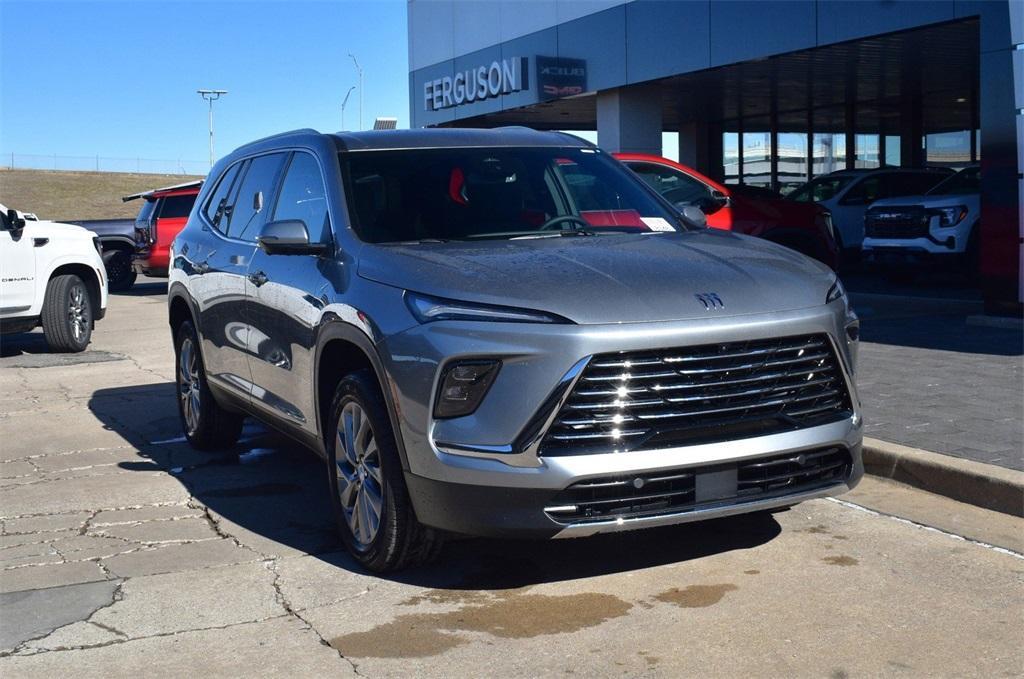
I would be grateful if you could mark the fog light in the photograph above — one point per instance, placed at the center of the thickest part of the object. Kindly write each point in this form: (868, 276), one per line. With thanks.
(463, 387)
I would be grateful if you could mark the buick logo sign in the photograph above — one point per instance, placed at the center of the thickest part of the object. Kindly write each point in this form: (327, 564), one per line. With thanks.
(710, 300)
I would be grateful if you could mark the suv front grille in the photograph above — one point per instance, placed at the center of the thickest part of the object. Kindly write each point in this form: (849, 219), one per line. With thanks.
(896, 222)
(669, 492)
(700, 394)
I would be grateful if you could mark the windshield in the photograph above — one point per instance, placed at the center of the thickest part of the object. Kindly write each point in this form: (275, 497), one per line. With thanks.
(967, 180)
(477, 193)
(822, 188)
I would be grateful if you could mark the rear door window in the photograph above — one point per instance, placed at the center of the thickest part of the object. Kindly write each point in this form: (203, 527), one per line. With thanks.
(218, 205)
(247, 216)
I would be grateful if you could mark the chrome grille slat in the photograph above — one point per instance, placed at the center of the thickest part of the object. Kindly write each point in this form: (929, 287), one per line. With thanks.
(633, 400)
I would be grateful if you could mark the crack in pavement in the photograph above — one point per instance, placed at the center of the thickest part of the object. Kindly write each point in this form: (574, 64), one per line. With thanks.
(280, 597)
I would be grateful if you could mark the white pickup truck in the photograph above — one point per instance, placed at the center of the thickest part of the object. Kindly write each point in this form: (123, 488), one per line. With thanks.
(940, 227)
(51, 274)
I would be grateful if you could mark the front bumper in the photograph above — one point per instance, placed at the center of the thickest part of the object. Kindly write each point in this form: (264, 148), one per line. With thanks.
(480, 475)
(513, 512)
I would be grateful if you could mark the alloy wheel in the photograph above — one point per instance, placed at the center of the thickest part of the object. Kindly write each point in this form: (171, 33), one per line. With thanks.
(359, 476)
(78, 312)
(188, 385)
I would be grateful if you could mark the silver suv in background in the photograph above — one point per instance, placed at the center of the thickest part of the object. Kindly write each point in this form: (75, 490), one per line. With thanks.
(506, 333)
(938, 227)
(848, 193)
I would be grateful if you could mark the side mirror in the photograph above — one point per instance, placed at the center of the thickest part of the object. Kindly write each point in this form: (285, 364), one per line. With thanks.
(694, 215)
(288, 237)
(15, 222)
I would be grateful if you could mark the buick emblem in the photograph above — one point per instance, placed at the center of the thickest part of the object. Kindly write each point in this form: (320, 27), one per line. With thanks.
(710, 300)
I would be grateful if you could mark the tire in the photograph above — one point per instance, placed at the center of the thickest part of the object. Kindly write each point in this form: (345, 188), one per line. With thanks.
(67, 314)
(369, 473)
(206, 424)
(120, 276)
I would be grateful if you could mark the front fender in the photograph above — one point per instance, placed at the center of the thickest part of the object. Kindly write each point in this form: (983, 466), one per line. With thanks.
(334, 328)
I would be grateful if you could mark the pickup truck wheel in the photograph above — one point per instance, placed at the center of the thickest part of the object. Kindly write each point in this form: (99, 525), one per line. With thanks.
(67, 314)
(207, 426)
(120, 276)
(371, 504)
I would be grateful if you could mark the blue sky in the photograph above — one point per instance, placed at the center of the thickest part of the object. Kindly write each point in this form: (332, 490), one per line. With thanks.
(120, 78)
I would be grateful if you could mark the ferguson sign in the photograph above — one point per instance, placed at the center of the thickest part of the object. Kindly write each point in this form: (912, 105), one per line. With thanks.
(476, 84)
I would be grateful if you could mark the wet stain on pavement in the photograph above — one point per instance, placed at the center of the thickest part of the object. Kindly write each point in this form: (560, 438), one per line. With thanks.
(696, 596)
(512, 616)
(841, 560)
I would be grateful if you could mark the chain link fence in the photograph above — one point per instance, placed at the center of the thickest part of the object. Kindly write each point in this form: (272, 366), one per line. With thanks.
(29, 161)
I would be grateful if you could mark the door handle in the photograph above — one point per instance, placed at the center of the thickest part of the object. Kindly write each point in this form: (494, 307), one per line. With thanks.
(257, 278)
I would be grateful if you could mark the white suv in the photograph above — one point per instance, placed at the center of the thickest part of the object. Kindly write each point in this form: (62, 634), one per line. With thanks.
(940, 226)
(51, 274)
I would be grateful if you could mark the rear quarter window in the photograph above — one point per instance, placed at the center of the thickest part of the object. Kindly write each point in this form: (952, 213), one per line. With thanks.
(146, 210)
(176, 206)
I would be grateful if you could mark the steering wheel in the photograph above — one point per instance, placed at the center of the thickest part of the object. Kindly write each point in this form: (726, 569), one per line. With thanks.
(555, 221)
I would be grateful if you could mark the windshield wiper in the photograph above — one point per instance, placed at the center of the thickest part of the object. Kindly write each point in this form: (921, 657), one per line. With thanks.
(513, 235)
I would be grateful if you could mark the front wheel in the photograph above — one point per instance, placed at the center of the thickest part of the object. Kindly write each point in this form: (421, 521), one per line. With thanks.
(206, 424)
(371, 504)
(67, 314)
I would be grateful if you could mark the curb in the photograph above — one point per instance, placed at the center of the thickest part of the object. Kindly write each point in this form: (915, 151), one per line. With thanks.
(982, 485)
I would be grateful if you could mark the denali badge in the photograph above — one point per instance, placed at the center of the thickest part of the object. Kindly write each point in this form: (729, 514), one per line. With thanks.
(710, 300)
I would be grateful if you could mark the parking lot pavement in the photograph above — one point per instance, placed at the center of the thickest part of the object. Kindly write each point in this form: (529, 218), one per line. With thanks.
(126, 553)
(931, 379)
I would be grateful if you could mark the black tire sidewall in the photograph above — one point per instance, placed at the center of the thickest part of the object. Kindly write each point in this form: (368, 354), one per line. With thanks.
(361, 388)
(55, 320)
(217, 428)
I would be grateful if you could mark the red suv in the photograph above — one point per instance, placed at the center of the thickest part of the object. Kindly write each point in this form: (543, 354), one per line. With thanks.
(163, 214)
(807, 229)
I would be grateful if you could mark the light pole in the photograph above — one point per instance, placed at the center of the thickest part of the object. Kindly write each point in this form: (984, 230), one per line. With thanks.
(360, 71)
(211, 96)
(343, 102)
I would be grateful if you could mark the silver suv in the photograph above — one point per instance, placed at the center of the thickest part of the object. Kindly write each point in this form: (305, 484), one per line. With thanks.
(505, 333)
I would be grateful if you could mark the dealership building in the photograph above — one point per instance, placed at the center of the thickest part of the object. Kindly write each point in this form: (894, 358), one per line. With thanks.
(769, 93)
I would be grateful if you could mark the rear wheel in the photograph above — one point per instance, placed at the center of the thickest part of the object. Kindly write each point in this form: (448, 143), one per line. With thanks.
(67, 314)
(120, 276)
(206, 424)
(371, 504)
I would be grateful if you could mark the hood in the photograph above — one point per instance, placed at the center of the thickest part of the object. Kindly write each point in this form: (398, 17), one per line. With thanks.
(59, 229)
(929, 201)
(608, 279)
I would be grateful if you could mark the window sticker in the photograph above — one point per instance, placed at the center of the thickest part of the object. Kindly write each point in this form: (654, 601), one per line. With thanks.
(657, 224)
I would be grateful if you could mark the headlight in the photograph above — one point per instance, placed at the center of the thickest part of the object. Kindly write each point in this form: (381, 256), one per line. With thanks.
(837, 291)
(427, 309)
(950, 216)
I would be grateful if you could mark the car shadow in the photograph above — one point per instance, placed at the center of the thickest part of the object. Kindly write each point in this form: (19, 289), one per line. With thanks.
(268, 488)
(145, 286)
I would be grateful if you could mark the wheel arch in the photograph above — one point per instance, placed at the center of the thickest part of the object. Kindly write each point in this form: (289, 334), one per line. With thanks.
(88, 276)
(341, 350)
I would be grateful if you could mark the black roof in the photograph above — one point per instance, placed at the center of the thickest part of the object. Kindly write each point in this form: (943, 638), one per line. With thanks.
(377, 140)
